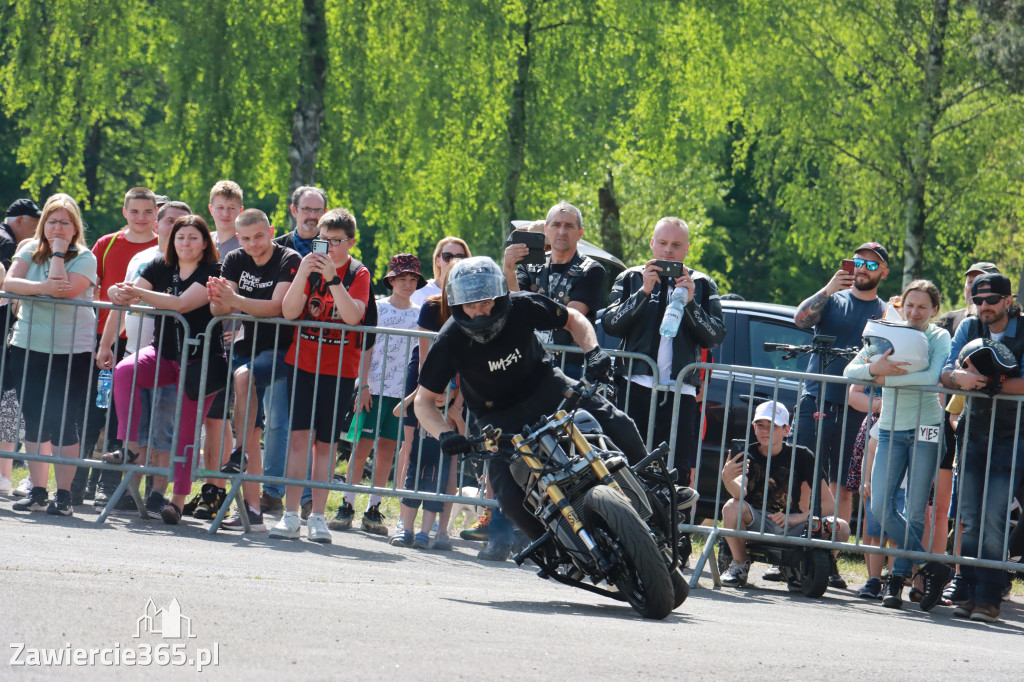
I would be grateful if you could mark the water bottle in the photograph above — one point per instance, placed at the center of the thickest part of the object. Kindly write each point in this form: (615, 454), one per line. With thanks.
(674, 312)
(103, 385)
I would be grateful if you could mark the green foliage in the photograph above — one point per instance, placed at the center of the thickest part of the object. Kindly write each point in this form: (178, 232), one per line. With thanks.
(784, 132)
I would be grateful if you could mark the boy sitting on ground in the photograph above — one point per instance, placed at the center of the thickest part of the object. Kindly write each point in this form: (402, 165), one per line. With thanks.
(763, 473)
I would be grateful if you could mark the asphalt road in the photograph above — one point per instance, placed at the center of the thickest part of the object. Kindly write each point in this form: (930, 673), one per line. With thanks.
(360, 609)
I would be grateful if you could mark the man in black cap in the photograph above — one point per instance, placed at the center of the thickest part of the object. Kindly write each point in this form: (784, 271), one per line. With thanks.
(840, 309)
(951, 320)
(20, 223)
(989, 469)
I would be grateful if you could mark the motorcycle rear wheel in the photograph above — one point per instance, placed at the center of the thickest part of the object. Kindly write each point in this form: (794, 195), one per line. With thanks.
(644, 579)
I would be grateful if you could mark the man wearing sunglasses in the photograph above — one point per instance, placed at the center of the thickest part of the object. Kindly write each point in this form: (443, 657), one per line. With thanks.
(840, 309)
(566, 276)
(992, 464)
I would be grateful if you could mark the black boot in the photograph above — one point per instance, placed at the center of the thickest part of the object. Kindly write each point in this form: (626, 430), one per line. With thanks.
(78, 485)
(893, 598)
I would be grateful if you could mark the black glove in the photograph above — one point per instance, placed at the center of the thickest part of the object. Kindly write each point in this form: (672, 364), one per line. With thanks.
(453, 443)
(599, 366)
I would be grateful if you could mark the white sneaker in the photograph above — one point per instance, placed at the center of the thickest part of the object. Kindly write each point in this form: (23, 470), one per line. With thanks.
(316, 529)
(288, 528)
(24, 488)
(5, 486)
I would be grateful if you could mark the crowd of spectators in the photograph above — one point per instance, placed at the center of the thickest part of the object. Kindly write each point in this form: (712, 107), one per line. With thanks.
(276, 387)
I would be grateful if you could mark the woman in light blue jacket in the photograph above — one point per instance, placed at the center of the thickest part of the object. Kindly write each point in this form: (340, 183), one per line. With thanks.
(910, 431)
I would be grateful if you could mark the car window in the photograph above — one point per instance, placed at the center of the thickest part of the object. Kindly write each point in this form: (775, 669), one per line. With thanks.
(762, 330)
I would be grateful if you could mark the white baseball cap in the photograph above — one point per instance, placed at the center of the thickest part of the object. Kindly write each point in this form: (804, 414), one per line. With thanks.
(772, 411)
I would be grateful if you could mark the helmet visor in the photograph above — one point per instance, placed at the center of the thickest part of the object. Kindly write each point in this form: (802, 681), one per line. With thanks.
(480, 285)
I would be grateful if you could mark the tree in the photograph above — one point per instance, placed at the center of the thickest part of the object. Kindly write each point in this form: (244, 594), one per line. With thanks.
(887, 124)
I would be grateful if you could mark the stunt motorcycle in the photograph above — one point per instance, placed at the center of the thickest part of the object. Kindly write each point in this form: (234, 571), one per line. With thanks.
(610, 528)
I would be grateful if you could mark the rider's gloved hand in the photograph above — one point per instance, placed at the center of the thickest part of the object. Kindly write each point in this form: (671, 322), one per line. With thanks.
(453, 443)
(599, 366)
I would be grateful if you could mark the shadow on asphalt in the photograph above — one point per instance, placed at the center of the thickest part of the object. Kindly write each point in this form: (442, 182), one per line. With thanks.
(609, 609)
(1011, 615)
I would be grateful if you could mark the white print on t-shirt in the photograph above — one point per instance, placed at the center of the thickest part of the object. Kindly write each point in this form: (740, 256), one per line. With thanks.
(250, 282)
(503, 363)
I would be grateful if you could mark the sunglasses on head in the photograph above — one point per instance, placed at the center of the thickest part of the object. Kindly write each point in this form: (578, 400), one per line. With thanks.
(869, 264)
(990, 299)
(448, 257)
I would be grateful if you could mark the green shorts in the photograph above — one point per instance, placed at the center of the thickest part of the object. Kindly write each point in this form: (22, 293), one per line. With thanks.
(364, 425)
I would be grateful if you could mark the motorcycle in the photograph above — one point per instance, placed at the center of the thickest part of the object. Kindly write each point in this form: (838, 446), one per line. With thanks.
(604, 520)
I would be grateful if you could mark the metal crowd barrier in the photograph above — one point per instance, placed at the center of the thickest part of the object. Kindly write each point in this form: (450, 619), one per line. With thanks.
(36, 309)
(726, 386)
(287, 372)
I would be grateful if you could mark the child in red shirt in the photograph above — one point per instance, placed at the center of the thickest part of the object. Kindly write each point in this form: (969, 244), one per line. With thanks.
(325, 362)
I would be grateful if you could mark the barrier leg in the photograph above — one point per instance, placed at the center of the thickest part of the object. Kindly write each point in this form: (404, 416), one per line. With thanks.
(709, 547)
(234, 493)
(127, 484)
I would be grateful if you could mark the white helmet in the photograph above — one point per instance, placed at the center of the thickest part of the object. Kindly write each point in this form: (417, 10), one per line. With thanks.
(908, 345)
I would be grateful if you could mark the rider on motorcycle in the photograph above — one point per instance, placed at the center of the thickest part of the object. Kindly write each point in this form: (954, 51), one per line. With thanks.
(506, 377)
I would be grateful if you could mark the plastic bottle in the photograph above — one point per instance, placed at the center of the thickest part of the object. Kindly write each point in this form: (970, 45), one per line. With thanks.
(104, 383)
(674, 312)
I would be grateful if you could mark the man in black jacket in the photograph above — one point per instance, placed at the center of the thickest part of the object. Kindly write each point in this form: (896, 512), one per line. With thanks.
(635, 310)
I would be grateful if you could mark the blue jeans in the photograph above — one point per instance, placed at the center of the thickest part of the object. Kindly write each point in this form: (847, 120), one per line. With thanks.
(985, 496)
(899, 453)
(266, 367)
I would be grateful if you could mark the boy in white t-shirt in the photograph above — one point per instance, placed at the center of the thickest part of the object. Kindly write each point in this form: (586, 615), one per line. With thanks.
(384, 370)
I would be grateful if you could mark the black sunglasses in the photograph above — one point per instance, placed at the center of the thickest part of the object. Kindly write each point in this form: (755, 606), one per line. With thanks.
(448, 257)
(991, 299)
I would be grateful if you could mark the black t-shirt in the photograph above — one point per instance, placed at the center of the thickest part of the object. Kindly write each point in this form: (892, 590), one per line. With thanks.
(587, 289)
(781, 497)
(501, 373)
(169, 338)
(259, 282)
(430, 315)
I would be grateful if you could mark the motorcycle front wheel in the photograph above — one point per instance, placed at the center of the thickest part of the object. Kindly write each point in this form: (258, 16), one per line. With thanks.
(643, 577)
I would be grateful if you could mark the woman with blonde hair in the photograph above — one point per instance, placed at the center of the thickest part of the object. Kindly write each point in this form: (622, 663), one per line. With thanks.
(51, 344)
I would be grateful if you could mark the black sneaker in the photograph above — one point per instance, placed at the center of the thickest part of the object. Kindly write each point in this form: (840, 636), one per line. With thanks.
(773, 574)
(61, 504)
(36, 501)
(893, 598)
(835, 581)
(934, 575)
(211, 498)
(102, 497)
(343, 517)
(956, 592)
(190, 507)
(373, 521)
(236, 462)
(256, 524)
(155, 502)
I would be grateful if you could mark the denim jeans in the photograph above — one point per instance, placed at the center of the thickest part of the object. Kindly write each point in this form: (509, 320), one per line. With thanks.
(984, 509)
(899, 453)
(266, 367)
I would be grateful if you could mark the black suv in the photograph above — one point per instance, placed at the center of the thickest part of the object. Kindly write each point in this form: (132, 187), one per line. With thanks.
(749, 326)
